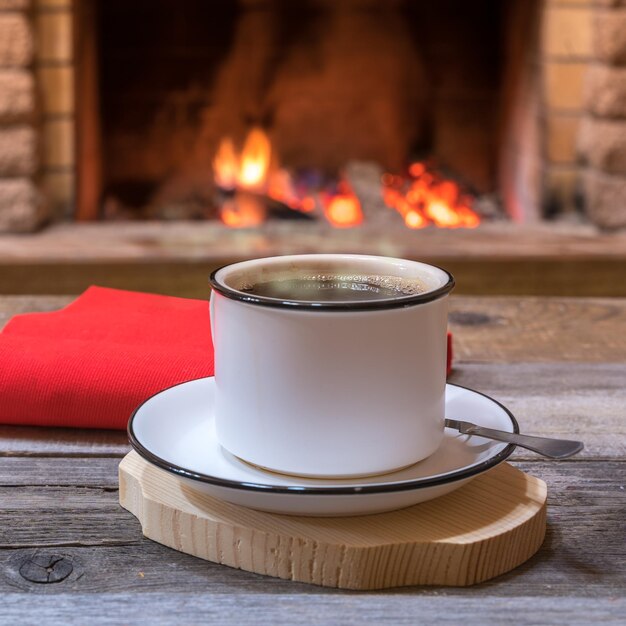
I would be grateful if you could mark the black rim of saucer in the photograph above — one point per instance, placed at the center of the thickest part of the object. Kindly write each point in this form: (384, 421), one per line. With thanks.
(301, 305)
(420, 483)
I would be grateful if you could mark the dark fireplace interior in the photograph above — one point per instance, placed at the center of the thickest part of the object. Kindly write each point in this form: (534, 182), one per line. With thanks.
(330, 83)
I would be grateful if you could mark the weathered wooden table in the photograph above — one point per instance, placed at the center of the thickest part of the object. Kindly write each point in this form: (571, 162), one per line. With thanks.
(69, 553)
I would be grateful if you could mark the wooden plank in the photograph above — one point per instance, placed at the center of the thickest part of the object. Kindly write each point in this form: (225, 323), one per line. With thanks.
(101, 472)
(550, 399)
(14, 305)
(578, 576)
(39, 517)
(496, 329)
(278, 609)
(490, 329)
(151, 567)
(25, 471)
(64, 442)
(569, 400)
(583, 554)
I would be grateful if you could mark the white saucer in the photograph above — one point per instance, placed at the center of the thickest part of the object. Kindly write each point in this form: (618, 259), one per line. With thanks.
(175, 431)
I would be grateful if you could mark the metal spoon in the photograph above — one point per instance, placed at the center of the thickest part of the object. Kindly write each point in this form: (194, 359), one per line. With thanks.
(552, 448)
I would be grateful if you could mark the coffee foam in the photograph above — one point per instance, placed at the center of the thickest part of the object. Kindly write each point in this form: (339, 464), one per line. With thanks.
(403, 286)
(400, 286)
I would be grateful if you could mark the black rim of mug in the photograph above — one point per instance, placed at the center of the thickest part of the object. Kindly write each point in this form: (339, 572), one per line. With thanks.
(299, 305)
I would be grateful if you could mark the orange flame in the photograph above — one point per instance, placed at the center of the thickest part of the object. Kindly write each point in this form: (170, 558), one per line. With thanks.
(247, 170)
(422, 198)
(425, 199)
(226, 165)
(242, 211)
(413, 218)
(255, 160)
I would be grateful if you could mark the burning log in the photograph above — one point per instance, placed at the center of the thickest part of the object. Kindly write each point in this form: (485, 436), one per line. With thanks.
(250, 192)
(246, 209)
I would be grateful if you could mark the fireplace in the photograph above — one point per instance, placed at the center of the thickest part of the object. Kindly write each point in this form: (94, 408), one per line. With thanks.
(500, 109)
(336, 110)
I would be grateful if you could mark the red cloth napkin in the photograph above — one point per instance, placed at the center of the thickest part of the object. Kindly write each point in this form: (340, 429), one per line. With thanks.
(91, 364)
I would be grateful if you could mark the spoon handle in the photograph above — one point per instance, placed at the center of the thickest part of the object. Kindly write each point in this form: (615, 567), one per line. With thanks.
(552, 448)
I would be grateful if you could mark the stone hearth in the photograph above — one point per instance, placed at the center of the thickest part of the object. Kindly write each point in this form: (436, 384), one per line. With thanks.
(176, 258)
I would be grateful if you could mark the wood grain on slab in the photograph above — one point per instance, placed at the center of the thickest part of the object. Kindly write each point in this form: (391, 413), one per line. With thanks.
(482, 530)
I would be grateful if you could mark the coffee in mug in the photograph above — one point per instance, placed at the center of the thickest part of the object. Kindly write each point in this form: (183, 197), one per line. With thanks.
(334, 287)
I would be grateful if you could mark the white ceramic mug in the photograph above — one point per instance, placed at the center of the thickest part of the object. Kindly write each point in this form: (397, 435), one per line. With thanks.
(329, 389)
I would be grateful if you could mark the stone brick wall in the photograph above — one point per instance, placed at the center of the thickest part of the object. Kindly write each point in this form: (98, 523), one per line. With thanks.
(565, 56)
(54, 74)
(602, 141)
(36, 113)
(21, 206)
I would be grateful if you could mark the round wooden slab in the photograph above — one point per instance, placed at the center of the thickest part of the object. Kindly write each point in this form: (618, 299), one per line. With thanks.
(484, 529)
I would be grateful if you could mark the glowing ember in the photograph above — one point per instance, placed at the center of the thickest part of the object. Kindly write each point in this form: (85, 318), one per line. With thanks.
(307, 205)
(424, 198)
(281, 188)
(413, 219)
(442, 213)
(344, 209)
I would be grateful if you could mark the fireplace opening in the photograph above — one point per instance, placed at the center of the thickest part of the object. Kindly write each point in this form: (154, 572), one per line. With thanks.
(403, 112)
